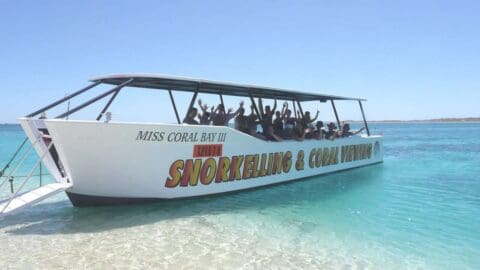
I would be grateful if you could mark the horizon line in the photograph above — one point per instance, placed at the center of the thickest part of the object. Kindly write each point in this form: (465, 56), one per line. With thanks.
(442, 119)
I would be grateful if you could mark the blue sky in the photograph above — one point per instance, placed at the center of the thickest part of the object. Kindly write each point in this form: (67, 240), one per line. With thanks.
(410, 59)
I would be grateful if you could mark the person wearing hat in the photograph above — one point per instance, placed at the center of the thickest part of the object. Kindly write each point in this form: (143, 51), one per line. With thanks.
(331, 131)
(345, 131)
(319, 133)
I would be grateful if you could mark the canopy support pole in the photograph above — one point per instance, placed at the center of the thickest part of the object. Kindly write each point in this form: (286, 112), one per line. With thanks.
(255, 106)
(300, 108)
(64, 99)
(85, 104)
(221, 101)
(108, 104)
(294, 108)
(335, 111)
(364, 119)
(173, 104)
(192, 102)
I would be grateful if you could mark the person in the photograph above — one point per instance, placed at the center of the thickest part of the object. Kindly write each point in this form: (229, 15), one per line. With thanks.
(307, 124)
(190, 118)
(289, 124)
(345, 131)
(242, 122)
(299, 130)
(204, 118)
(267, 120)
(331, 133)
(278, 128)
(278, 123)
(308, 121)
(220, 118)
(253, 122)
(319, 133)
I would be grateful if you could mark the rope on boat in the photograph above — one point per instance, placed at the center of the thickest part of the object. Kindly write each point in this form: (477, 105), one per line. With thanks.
(24, 157)
(13, 157)
(10, 178)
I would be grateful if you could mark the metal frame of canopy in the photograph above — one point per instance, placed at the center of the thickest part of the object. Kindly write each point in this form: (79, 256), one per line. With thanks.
(169, 83)
(154, 81)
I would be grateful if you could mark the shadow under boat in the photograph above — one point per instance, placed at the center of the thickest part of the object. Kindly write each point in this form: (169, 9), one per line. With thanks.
(61, 218)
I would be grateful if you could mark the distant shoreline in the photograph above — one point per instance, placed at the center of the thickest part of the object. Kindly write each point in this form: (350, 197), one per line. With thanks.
(420, 122)
(426, 121)
(437, 120)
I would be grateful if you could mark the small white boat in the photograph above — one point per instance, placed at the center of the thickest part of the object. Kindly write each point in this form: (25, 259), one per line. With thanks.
(106, 162)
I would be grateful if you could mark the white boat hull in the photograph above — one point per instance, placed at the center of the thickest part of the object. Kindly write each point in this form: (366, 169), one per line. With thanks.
(127, 162)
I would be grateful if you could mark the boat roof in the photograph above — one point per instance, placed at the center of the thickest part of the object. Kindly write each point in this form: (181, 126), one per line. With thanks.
(159, 81)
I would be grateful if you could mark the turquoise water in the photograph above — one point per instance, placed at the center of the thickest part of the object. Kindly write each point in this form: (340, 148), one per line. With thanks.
(420, 209)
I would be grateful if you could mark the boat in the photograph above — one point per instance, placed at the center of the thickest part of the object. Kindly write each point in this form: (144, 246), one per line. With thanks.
(103, 162)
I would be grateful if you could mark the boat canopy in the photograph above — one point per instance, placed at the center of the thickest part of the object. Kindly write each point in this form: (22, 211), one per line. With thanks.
(157, 81)
(171, 83)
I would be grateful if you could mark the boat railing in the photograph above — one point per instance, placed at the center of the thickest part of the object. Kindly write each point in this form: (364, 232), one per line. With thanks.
(114, 92)
(62, 100)
(12, 158)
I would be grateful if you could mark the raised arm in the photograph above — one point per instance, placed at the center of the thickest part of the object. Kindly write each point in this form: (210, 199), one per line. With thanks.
(315, 118)
(213, 112)
(284, 110)
(202, 107)
(358, 131)
(239, 107)
(274, 107)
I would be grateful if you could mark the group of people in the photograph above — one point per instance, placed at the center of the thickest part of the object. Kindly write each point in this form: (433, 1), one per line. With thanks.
(216, 116)
(284, 126)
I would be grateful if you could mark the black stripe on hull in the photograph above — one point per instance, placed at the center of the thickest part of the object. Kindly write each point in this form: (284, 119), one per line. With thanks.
(80, 200)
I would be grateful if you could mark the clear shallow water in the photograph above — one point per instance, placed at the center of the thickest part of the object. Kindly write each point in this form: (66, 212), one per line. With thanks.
(419, 209)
